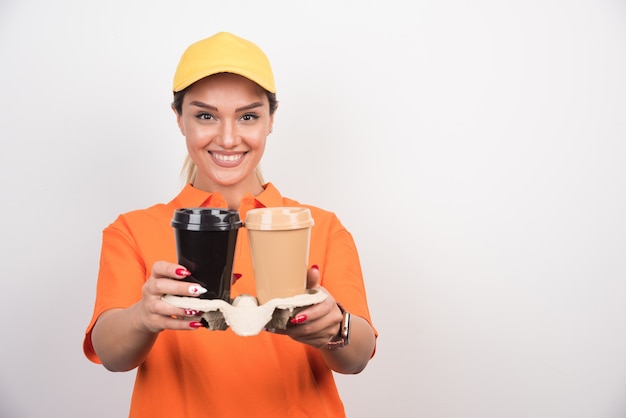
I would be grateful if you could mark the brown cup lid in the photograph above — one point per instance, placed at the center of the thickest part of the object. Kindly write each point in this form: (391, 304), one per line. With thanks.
(278, 218)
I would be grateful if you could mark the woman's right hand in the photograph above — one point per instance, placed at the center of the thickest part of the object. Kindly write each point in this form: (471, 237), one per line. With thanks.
(122, 338)
(155, 314)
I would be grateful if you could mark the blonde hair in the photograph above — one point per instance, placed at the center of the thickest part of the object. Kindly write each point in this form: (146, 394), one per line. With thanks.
(189, 170)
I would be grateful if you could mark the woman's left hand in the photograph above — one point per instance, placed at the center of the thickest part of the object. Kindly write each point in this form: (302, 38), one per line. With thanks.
(316, 325)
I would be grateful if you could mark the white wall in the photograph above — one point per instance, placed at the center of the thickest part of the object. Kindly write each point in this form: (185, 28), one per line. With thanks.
(475, 150)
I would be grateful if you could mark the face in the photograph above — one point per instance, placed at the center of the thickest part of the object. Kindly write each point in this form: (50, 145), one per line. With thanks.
(225, 120)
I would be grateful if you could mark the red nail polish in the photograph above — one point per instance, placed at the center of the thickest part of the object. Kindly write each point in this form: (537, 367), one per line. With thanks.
(182, 272)
(298, 319)
(191, 312)
(314, 266)
(195, 324)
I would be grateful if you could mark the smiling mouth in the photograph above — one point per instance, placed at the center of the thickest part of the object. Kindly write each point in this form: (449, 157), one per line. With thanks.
(227, 159)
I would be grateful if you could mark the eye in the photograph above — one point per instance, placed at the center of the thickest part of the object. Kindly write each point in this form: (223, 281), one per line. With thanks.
(250, 117)
(204, 116)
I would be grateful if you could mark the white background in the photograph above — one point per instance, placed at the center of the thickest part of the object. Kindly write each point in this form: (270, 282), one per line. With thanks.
(475, 150)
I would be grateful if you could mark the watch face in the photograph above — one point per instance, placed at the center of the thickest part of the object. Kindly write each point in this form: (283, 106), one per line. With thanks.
(345, 328)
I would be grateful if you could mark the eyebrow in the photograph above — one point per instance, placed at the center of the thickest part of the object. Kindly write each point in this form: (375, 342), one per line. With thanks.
(240, 109)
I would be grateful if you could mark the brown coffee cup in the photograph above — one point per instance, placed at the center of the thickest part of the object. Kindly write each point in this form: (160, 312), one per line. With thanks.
(279, 244)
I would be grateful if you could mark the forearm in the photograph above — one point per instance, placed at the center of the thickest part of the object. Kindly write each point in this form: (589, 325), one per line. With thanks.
(119, 341)
(353, 358)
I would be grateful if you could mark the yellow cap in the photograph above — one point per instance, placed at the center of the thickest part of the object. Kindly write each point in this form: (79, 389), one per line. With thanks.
(224, 53)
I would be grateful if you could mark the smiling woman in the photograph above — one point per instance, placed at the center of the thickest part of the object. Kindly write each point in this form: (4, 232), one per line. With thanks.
(224, 104)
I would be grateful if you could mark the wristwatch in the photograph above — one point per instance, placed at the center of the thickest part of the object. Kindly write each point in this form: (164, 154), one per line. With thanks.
(342, 339)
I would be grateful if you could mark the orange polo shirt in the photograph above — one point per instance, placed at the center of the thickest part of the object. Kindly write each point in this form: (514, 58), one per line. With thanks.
(218, 373)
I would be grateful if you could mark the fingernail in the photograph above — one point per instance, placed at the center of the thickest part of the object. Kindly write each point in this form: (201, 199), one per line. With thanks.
(236, 276)
(298, 319)
(182, 272)
(195, 324)
(192, 312)
(314, 266)
(195, 289)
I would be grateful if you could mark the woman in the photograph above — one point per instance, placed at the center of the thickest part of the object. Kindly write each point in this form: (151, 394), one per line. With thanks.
(224, 102)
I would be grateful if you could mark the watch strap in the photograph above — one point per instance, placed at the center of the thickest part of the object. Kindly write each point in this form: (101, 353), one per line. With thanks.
(342, 339)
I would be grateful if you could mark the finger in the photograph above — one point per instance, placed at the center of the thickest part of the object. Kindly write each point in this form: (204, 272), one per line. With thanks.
(192, 313)
(313, 277)
(311, 333)
(160, 287)
(160, 315)
(181, 324)
(163, 269)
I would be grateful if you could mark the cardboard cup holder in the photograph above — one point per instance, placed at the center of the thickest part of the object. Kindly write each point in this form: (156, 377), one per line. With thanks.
(244, 315)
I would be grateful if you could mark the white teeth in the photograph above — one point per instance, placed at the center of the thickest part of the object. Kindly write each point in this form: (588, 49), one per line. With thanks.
(229, 158)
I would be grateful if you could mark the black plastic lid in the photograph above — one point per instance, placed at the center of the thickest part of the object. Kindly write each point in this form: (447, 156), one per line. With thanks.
(206, 219)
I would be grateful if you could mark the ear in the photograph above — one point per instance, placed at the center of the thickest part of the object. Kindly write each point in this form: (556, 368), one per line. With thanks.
(179, 121)
(271, 124)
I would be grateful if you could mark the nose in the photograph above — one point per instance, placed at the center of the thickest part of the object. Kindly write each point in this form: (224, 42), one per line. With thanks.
(228, 136)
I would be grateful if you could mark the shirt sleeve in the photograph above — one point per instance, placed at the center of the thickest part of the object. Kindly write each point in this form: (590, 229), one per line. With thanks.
(120, 279)
(341, 272)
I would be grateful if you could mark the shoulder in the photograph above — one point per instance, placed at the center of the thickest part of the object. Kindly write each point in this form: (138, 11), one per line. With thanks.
(315, 210)
(324, 219)
(145, 218)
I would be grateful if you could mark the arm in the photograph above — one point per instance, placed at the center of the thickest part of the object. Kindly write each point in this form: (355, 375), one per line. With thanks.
(354, 357)
(119, 340)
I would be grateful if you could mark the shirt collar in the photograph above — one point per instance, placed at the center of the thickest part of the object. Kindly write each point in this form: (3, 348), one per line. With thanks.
(190, 197)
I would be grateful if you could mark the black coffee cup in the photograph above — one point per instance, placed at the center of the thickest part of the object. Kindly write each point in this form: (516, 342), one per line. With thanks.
(205, 244)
